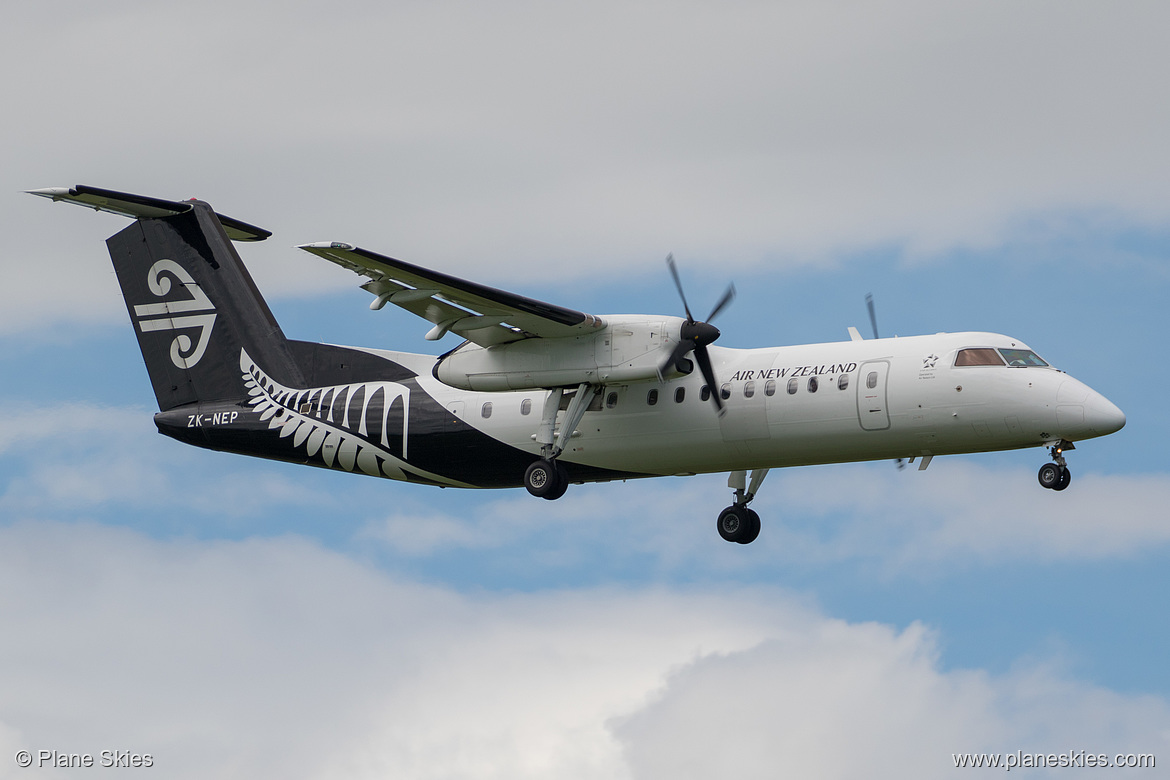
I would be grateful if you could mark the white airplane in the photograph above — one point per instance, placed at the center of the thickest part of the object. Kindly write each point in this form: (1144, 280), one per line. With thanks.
(543, 396)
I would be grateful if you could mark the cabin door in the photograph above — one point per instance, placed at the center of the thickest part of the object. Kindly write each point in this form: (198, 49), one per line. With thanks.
(872, 410)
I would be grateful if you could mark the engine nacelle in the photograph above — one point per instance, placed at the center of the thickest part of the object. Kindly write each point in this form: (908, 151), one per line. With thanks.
(629, 348)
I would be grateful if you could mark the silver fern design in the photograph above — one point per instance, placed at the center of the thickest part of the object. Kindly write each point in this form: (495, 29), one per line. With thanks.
(362, 425)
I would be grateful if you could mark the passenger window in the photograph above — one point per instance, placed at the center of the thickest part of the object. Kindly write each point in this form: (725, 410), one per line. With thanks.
(770, 387)
(652, 397)
(725, 391)
(978, 357)
(871, 380)
(526, 406)
(679, 395)
(611, 400)
(749, 389)
(486, 411)
(843, 382)
(812, 384)
(792, 387)
(704, 393)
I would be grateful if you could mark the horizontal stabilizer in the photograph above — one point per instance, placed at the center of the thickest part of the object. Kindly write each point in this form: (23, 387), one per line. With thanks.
(142, 207)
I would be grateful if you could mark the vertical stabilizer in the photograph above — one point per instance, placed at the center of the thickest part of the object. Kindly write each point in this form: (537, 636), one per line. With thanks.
(194, 307)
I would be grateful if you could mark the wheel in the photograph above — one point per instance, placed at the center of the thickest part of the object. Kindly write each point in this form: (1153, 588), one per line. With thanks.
(753, 529)
(1065, 478)
(562, 483)
(731, 523)
(1049, 475)
(738, 524)
(544, 478)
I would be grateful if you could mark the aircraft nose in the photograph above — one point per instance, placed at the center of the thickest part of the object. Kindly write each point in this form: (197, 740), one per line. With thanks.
(1102, 415)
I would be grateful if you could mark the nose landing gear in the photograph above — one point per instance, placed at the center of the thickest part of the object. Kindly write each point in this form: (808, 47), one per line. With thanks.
(1055, 475)
(737, 523)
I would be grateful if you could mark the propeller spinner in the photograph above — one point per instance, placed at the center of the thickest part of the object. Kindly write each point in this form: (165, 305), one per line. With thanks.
(696, 336)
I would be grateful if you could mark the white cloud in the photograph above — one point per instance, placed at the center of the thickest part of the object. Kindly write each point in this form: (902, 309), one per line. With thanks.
(77, 458)
(846, 700)
(958, 515)
(495, 140)
(277, 658)
(962, 513)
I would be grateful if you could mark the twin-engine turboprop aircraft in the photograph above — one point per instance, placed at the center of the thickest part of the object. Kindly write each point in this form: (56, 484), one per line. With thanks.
(543, 396)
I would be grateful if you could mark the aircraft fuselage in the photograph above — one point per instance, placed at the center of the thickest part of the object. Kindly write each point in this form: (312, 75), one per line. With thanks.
(786, 406)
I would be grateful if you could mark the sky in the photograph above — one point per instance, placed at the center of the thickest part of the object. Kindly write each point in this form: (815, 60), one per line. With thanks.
(975, 165)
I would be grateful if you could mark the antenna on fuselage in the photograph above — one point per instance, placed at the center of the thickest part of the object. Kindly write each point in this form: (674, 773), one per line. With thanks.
(872, 313)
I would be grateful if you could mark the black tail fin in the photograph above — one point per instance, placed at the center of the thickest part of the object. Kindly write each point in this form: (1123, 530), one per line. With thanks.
(195, 307)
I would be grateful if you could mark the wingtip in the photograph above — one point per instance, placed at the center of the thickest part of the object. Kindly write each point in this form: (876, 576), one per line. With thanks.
(54, 193)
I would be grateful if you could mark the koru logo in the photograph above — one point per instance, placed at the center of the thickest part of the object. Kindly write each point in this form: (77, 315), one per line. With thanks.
(197, 312)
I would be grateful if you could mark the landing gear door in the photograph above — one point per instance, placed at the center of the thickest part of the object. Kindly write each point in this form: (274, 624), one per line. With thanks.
(872, 409)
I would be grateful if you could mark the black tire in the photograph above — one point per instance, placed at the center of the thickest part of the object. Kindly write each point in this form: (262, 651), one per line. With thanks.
(753, 529)
(562, 483)
(735, 524)
(543, 478)
(1049, 475)
(1065, 479)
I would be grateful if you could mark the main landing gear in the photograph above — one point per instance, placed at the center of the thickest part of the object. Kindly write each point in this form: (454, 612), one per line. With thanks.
(737, 523)
(1055, 475)
(546, 478)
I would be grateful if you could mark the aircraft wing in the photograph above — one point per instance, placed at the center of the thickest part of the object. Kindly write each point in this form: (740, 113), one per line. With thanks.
(483, 315)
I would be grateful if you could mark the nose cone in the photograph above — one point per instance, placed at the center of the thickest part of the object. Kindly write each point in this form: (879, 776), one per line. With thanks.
(1083, 413)
(700, 333)
(1102, 416)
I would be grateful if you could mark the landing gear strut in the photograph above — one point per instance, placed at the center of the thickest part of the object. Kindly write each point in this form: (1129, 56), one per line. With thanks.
(737, 523)
(546, 478)
(1055, 475)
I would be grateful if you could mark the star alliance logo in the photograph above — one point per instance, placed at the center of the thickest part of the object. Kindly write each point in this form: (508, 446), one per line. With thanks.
(198, 312)
(929, 361)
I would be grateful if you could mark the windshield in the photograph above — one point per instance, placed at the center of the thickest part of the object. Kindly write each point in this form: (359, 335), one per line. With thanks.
(978, 357)
(986, 356)
(1021, 357)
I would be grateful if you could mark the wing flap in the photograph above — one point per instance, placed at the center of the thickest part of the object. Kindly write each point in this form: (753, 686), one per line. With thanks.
(481, 314)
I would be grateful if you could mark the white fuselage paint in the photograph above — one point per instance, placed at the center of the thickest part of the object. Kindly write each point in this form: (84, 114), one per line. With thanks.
(922, 404)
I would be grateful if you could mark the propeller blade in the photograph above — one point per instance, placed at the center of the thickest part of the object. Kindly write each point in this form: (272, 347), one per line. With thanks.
(696, 336)
(872, 313)
(704, 361)
(728, 297)
(680, 351)
(678, 284)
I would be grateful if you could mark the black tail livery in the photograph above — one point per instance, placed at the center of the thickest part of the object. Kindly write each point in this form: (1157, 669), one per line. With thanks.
(195, 307)
(226, 378)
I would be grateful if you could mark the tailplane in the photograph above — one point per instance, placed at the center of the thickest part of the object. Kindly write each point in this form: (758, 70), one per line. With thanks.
(193, 304)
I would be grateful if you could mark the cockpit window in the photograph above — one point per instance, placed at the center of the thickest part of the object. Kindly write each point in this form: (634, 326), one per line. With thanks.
(978, 357)
(1021, 357)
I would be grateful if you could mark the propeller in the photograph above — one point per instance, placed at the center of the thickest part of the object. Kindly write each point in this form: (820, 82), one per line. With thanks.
(696, 336)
